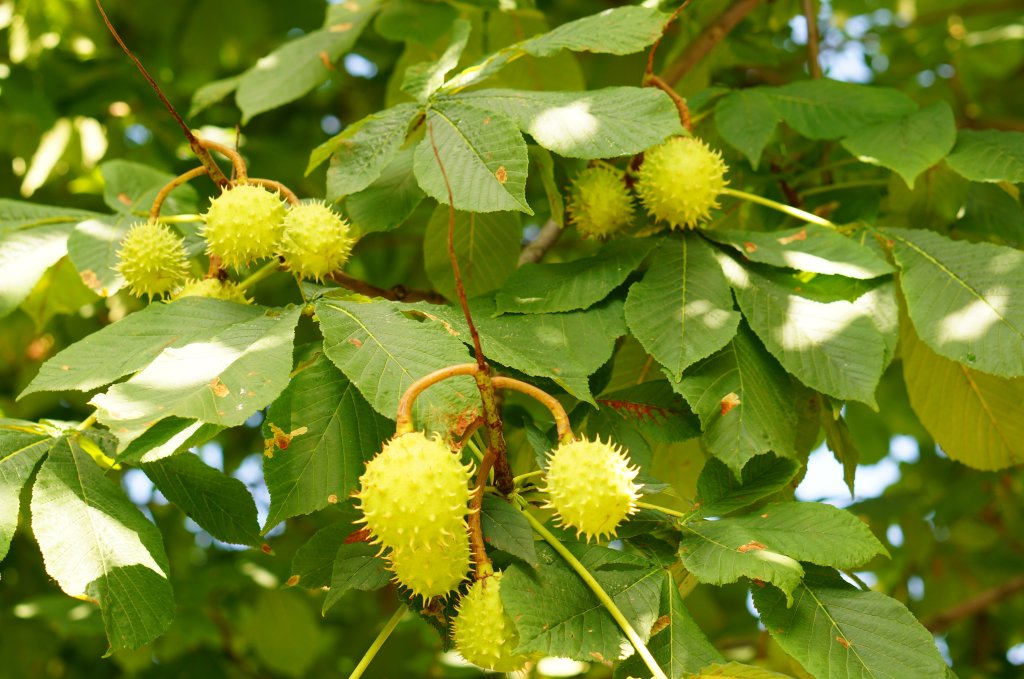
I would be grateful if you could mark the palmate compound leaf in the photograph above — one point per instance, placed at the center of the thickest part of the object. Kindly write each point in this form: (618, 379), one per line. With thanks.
(682, 310)
(680, 648)
(835, 630)
(565, 348)
(381, 351)
(556, 613)
(976, 418)
(745, 401)
(220, 378)
(835, 347)
(770, 544)
(605, 123)
(806, 248)
(98, 546)
(483, 154)
(220, 504)
(569, 286)
(319, 434)
(966, 299)
(22, 445)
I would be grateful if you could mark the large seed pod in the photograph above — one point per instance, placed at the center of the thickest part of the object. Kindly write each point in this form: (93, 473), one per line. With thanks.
(152, 259)
(315, 241)
(433, 572)
(599, 202)
(680, 181)
(243, 224)
(484, 633)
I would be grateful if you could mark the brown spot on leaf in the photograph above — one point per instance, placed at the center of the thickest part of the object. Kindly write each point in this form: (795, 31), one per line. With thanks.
(752, 546)
(765, 515)
(292, 581)
(728, 402)
(501, 174)
(356, 342)
(759, 583)
(65, 367)
(280, 439)
(799, 235)
(220, 390)
(339, 28)
(361, 535)
(325, 59)
(124, 198)
(749, 247)
(332, 499)
(266, 549)
(487, 120)
(660, 624)
(90, 279)
(352, 6)
(844, 641)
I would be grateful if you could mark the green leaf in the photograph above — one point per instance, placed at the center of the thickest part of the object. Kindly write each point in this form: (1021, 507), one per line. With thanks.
(21, 448)
(829, 109)
(679, 648)
(129, 188)
(992, 211)
(605, 123)
(320, 432)
(769, 544)
(167, 437)
(966, 300)
(382, 352)
(16, 214)
(909, 144)
(973, 416)
(220, 504)
(296, 67)
(568, 286)
(806, 248)
(682, 310)
(483, 154)
(842, 445)
(98, 546)
(423, 79)
(556, 613)
(505, 528)
(93, 247)
(356, 566)
(423, 22)
(653, 408)
(565, 348)
(486, 248)
(720, 492)
(735, 670)
(361, 152)
(989, 156)
(133, 342)
(837, 631)
(623, 30)
(833, 347)
(221, 378)
(59, 291)
(280, 629)
(25, 255)
(314, 560)
(213, 92)
(744, 400)
(387, 202)
(746, 119)
(545, 166)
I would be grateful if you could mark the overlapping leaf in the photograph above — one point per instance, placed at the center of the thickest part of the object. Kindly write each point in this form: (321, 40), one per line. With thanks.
(505, 528)
(22, 445)
(486, 247)
(829, 109)
(989, 155)
(387, 202)
(746, 119)
(356, 566)
(719, 491)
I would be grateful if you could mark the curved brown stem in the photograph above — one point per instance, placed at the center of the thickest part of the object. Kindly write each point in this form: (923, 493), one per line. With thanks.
(649, 72)
(396, 294)
(241, 173)
(565, 433)
(712, 34)
(403, 418)
(288, 194)
(158, 202)
(811, 16)
(684, 110)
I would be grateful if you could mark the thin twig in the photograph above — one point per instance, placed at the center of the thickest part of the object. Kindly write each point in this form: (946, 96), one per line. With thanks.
(538, 247)
(975, 605)
(557, 411)
(158, 202)
(713, 34)
(403, 417)
(371, 652)
(237, 163)
(811, 16)
(649, 72)
(684, 110)
(201, 153)
(396, 294)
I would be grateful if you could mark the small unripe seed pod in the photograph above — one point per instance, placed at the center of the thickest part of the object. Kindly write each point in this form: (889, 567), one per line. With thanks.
(243, 224)
(484, 633)
(152, 259)
(680, 181)
(315, 241)
(213, 289)
(599, 202)
(432, 572)
(590, 485)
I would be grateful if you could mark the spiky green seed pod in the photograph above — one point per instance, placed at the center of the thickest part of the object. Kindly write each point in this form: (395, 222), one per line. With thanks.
(590, 485)
(484, 633)
(152, 259)
(599, 202)
(243, 224)
(433, 572)
(680, 181)
(213, 289)
(414, 494)
(315, 241)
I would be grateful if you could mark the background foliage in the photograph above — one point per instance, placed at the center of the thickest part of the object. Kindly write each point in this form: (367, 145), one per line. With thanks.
(933, 152)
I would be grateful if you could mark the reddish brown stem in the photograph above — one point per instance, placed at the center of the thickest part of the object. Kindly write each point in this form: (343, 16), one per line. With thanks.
(396, 294)
(713, 34)
(201, 153)
(288, 194)
(811, 15)
(649, 72)
(476, 531)
(975, 605)
(684, 110)
(557, 411)
(240, 171)
(158, 202)
(403, 418)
